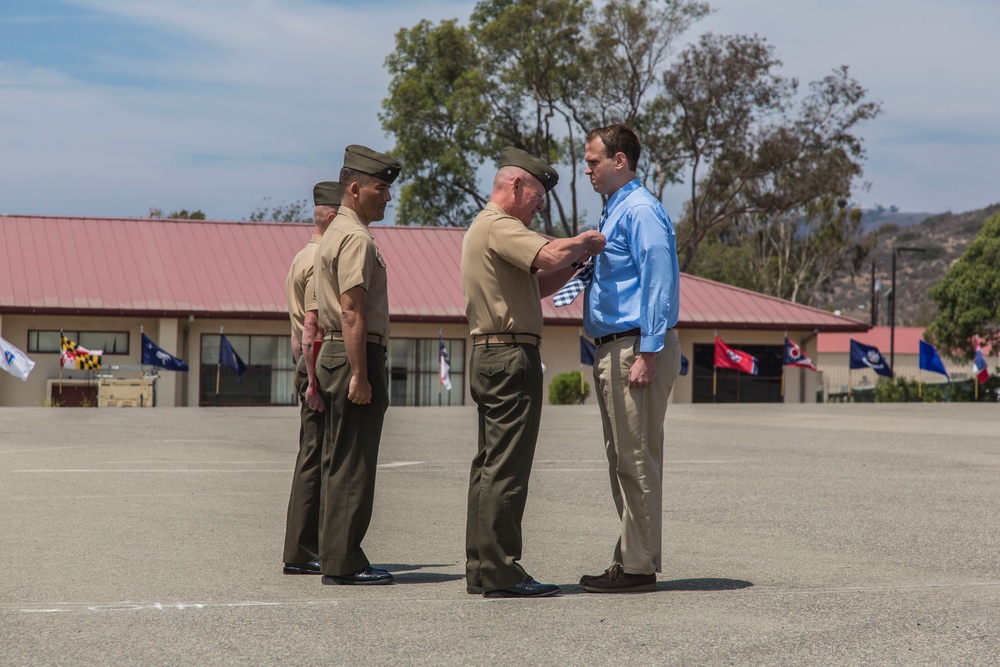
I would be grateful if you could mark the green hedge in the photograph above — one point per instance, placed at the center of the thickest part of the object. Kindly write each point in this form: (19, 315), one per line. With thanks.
(566, 389)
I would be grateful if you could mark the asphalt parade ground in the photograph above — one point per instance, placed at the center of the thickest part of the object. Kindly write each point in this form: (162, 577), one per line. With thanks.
(793, 535)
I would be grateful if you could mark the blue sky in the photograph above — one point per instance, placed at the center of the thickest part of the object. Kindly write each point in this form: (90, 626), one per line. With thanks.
(110, 107)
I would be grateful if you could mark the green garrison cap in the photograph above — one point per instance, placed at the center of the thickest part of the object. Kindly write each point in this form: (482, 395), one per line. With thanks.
(326, 193)
(515, 157)
(367, 161)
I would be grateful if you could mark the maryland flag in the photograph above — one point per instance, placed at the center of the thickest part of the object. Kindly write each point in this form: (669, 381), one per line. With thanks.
(74, 356)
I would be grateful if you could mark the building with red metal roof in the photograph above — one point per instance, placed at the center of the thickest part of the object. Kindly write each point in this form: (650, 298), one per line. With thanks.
(183, 282)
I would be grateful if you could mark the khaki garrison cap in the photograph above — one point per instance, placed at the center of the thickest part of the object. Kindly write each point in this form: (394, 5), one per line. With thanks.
(515, 157)
(326, 193)
(367, 161)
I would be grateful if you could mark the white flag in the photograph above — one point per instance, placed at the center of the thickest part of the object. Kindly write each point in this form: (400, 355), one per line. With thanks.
(14, 361)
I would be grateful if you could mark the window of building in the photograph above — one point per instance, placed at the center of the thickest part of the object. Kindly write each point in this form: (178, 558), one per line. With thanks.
(730, 386)
(414, 372)
(111, 342)
(268, 380)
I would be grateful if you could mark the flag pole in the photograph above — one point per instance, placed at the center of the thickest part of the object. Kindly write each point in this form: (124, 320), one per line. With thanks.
(61, 350)
(715, 368)
(218, 369)
(579, 332)
(440, 365)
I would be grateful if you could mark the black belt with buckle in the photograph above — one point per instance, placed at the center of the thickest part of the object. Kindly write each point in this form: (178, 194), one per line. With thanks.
(615, 336)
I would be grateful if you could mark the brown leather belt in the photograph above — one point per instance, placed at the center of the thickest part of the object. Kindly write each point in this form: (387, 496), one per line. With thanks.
(615, 336)
(371, 338)
(506, 339)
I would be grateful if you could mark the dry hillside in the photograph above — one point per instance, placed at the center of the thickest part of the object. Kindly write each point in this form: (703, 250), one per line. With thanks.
(944, 237)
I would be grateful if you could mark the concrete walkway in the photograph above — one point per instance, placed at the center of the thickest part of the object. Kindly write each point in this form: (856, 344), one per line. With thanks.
(794, 535)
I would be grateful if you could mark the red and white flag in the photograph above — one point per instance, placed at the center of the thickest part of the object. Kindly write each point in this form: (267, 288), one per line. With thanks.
(727, 357)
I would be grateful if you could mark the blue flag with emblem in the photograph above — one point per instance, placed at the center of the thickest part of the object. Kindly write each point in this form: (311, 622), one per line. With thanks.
(868, 356)
(154, 355)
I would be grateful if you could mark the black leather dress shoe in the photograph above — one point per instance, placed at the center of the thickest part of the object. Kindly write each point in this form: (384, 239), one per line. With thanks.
(310, 567)
(529, 588)
(474, 590)
(369, 576)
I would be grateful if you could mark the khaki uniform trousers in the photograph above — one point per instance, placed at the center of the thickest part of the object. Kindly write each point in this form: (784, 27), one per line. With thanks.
(302, 521)
(350, 456)
(506, 384)
(633, 439)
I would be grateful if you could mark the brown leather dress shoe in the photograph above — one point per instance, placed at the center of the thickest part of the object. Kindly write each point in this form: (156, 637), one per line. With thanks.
(616, 580)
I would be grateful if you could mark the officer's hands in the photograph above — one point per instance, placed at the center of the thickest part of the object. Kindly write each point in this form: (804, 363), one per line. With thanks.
(595, 241)
(643, 370)
(314, 400)
(360, 391)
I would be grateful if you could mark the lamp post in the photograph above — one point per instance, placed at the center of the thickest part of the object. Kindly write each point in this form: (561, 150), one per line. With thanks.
(892, 306)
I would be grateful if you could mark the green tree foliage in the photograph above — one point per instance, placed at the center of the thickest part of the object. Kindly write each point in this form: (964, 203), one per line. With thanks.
(763, 161)
(183, 214)
(793, 255)
(903, 390)
(968, 299)
(568, 389)
(296, 211)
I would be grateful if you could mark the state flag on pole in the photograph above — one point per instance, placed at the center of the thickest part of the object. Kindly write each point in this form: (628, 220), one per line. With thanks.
(979, 367)
(444, 364)
(14, 361)
(727, 357)
(794, 356)
(154, 355)
(868, 356)
(930, 360)
(74, 356)
(228, 357)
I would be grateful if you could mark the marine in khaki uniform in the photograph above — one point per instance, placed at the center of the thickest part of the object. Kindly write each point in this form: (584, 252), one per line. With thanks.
(353, 305)
(302, 521)
(506, 270)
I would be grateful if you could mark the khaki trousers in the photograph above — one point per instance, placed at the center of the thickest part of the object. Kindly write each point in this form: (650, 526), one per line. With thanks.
(350, 455)
(302, 520)
(506, 384)
(633, 440)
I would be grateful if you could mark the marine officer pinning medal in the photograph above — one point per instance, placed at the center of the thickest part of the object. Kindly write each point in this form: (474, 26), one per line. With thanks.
(302, 523)
(506, 270)
(353, 307)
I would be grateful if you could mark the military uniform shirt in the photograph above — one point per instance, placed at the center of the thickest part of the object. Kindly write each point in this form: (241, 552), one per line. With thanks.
(298, 285)
(501, 289)
(347, 258)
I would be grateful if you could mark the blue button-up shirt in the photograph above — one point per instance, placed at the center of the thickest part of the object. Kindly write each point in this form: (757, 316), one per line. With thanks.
(636, 281)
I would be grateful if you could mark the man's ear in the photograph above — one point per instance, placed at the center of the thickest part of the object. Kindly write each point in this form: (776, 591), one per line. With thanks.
(354, 188)
(620, 160)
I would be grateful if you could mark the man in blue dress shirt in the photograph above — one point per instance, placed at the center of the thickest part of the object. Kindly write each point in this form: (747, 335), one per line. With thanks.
(631, 308)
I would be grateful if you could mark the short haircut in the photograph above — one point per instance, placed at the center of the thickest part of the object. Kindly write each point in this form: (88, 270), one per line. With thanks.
(348, 176)
(618, 138)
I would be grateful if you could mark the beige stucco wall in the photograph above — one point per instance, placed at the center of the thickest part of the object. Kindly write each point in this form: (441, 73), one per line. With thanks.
(182, 337)
(34, 392)
(837, 375)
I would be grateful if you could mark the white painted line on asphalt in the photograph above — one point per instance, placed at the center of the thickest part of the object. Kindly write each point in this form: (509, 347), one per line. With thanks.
(107, 470)
(401, 464)
(71, 607)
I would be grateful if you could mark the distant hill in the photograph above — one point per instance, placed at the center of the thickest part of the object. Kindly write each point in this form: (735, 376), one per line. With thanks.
(874, 218)
(944, 236)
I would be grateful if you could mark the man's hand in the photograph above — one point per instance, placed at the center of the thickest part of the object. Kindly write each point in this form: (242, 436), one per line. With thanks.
(595, 242)
(314, 400)
(359, 392)
(643, 370)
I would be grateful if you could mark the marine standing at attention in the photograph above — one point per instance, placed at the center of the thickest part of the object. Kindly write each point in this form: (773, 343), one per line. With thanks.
(353, 301)
(302, 521)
